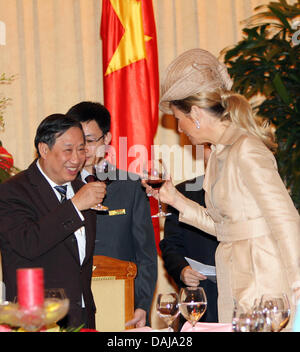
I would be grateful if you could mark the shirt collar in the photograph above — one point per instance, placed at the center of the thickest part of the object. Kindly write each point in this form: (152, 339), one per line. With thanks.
(52, 184)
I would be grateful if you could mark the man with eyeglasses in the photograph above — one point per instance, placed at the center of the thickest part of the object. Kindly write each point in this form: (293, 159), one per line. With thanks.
(124, 232)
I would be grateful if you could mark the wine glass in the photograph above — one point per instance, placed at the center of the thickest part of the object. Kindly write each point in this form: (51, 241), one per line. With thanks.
(155, 175)
(56, 305)
(193, 303)
(101, 171)
(276, 309)
(167, 308)
(247, 320)
(105, 171)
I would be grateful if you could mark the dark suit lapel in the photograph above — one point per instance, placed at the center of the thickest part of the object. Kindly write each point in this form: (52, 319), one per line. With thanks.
(50, 201)
(43, 189)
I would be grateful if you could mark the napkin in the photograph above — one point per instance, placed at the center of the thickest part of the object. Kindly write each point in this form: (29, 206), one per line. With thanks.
(207, 327)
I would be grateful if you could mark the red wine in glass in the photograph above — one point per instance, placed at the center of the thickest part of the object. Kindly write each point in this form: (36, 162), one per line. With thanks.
(101, 172)
(155, 183)
(155, 176)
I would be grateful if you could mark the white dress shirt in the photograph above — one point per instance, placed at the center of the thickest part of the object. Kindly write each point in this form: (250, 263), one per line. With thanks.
(84, 174)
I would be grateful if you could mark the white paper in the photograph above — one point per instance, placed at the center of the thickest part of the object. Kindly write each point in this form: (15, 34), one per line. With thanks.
(208, 270)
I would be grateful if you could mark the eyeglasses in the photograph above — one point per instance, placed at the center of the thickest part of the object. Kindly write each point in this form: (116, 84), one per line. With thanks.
(94, 141)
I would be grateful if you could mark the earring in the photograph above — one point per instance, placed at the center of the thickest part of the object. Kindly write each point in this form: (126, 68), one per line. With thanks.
(197, 124)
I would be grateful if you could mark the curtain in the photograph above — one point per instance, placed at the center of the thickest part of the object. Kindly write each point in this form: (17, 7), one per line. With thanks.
(53, 48)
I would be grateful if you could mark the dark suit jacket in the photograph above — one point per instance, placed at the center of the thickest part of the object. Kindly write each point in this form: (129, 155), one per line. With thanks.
(38, 231)
(129, 236)
(182, 240)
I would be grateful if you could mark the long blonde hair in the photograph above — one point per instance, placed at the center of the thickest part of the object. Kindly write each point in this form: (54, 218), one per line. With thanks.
(233, 107)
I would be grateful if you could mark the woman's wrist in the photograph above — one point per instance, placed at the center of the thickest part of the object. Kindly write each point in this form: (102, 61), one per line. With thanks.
(179, 202)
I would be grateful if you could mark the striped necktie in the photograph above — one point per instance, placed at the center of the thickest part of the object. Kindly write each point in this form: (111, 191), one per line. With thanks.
(63, 192)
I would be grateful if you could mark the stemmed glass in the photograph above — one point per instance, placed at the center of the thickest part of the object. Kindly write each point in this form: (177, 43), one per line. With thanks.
(101, 171)
(247, 320)
(155, 175)
(192, 304)
(56, 305)
(276, 310)
(167, 308)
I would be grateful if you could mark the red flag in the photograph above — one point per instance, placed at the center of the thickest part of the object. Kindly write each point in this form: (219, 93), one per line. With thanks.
(6, 159)
(131, 81)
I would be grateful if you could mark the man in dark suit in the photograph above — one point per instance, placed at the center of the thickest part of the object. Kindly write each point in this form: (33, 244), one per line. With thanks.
(46, 221)
(124, 232)
(182, 240)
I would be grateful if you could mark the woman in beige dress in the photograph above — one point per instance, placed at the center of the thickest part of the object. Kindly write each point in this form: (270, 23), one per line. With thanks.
(248, 207)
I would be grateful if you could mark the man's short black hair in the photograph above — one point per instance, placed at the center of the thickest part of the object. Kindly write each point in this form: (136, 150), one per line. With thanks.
(53, 127)
(88, 111)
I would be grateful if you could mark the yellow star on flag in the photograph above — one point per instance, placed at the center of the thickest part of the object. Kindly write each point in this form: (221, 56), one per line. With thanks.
(131, 47)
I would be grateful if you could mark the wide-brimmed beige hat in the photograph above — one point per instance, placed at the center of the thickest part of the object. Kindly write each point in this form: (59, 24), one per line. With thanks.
(192, 72)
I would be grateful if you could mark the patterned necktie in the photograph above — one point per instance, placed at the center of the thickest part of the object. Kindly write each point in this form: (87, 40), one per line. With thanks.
(63, 192)
(90, 178)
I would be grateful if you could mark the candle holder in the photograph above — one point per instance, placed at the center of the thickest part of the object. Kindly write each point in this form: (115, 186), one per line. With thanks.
(35, 318)
(34, 307)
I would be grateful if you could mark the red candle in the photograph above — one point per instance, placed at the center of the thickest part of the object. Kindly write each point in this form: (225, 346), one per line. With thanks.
(30, 284)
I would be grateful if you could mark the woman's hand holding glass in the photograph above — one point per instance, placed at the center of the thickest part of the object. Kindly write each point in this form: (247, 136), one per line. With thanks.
(154, 176)
(167, 193)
